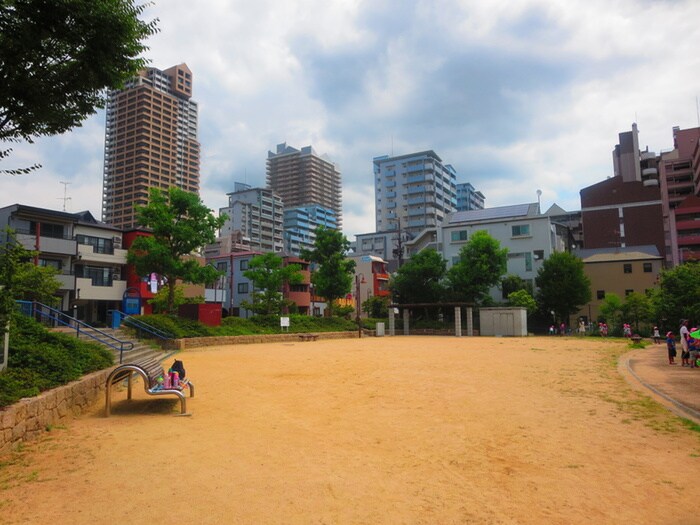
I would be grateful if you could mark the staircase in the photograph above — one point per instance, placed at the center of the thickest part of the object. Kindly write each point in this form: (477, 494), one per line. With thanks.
(141, 352)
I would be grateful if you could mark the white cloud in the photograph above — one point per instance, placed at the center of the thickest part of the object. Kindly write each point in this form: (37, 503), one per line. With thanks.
(516, 95)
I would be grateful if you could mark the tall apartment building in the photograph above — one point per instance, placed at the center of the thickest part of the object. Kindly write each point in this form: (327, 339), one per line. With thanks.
(413, 192)
(300, 225)
(150, 141)
(468, 198)
(302, 177)
(256, 215)
(678, 172)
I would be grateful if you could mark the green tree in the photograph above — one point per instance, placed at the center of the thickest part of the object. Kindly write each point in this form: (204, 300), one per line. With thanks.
(160, 299)
(420, 279)
(481, 264)
(376, 307)
(512, 283)
(59, 58)
(563, 286)
(269, 274)
(22, 279)
(677, 295)
(333, 276)
(636, 309)
(180, 224)
(524, 299)
(611, 310)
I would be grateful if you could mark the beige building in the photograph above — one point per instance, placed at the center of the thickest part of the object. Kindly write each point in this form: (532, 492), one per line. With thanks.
(150, 142)
(620, 271)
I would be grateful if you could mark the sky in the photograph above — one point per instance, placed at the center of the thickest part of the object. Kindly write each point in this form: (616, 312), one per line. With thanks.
(517, 96)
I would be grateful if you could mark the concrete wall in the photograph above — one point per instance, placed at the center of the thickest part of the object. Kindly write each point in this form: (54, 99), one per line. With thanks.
(203, 342)
(503, 322)
(29, 418)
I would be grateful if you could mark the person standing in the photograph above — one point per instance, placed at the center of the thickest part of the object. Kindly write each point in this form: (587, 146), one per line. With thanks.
(657, 335)
(671, 346)
(693, 348)
(684, 335)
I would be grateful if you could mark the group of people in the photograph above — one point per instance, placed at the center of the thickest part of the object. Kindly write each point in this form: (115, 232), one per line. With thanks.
(690, 346)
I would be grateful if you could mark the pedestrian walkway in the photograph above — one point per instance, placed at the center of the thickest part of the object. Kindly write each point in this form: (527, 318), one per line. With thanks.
(675, 386)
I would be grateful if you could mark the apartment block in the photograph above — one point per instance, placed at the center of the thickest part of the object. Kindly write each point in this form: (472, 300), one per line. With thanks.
(87, 254)
(300, 225)
(150, 142)
(254, 214)
(413, 191)
(303, 177)
(468, 198)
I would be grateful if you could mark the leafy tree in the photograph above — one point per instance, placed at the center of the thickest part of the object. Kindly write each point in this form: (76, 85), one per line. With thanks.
(180, 224)
(524, 299)
(611, 310)
(22, 279)
(563, 286)
(376, 307)
(269, 275)
(333, 277)
(637, 308)
(677, 295)
(160, 299)
(512, 283)
(481, 264)
(420, 279)
(58, 58)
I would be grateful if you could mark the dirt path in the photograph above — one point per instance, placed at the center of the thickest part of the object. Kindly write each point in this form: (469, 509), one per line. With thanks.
(419, 430)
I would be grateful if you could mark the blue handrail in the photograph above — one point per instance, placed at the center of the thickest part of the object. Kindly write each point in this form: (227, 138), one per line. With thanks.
(34, 308)
(142, 326)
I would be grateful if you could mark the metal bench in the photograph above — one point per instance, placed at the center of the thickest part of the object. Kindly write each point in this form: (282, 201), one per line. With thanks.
(149, 371)
(308, 337)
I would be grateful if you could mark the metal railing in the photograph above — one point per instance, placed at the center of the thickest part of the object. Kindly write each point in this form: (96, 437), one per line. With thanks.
(44, 312)
(141, 326)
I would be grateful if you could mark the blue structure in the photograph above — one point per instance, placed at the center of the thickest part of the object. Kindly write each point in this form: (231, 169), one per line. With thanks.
(469, 198)
(300, 224)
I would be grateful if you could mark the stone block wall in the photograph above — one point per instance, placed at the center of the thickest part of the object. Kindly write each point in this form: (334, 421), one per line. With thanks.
(28, 418)
(202, 342)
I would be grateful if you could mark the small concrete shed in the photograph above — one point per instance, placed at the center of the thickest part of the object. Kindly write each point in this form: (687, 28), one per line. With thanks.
(510, 321)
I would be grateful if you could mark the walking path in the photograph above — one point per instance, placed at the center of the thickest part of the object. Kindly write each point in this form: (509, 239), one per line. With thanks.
(674, 386)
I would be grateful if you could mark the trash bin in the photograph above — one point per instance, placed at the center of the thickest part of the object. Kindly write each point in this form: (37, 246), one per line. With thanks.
(380, 330)
(115, 319)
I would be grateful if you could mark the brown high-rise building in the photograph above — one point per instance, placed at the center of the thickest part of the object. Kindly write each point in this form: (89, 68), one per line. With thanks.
(150, 142)
(302, 177)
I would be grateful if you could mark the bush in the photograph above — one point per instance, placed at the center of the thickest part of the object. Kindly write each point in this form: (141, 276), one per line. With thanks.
(40, 360)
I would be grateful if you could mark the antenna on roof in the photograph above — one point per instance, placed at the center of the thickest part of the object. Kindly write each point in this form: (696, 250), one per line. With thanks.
(539, 209)
(65, 197)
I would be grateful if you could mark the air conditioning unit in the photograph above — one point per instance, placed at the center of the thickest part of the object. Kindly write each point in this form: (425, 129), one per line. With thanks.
(117, 242)
(116, 276)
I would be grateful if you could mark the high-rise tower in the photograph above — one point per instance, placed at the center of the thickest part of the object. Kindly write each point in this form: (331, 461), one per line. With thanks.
(302, 177)
(150, 141)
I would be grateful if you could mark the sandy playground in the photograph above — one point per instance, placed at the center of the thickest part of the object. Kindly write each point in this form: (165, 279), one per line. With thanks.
(403, 430)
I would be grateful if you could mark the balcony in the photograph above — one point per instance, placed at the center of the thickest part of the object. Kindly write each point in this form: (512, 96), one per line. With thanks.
(87, 253)
(47, 244)
(88, 291)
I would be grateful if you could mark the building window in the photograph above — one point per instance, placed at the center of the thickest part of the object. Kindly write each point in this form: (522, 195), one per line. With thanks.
(242, 287)
(99, 244)
(51, 263)
(459, 236)
(243, 264)
(647, 267)
(521, 230)
(600, 294)
(627, 292)
(47, 230)
(455, 260)
(627, 268)
(528, 262)
(221, 266)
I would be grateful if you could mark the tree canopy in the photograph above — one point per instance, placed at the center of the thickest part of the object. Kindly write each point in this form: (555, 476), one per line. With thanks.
(58, 58)
(563, 286)
(269, 274)
(481, 264)
(420, 279)
(677, 295)
(332, 278)
(180, 224)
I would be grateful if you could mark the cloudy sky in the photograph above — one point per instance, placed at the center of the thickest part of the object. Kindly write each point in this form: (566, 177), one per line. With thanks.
(517, 96)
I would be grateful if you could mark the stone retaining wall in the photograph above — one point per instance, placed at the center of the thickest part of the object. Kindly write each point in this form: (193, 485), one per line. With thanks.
(194, 343)
(28, 418)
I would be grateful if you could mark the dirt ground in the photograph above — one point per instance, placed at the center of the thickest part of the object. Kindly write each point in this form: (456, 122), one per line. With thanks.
(403, 430)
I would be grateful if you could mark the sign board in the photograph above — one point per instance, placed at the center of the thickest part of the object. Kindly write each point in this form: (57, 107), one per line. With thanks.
(284, 322)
